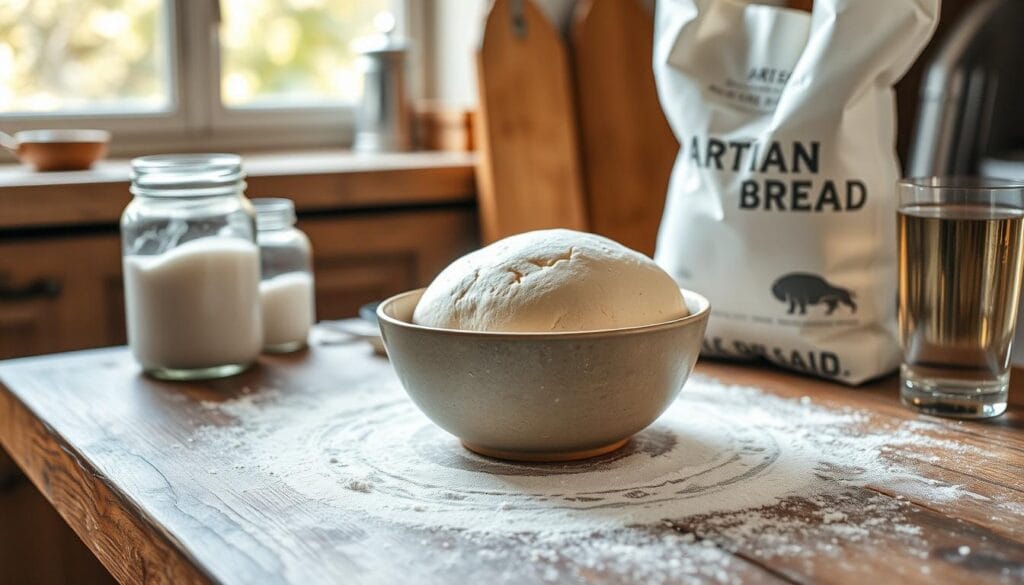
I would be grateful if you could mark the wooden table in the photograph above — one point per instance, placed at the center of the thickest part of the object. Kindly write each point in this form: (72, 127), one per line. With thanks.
(163, 483)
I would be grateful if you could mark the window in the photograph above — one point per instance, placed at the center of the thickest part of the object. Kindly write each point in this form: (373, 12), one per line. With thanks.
(168, 74)
(102, 56)
(279, 52)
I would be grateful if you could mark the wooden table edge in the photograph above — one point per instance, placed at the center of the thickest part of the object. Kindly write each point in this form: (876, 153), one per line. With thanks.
(62, 472)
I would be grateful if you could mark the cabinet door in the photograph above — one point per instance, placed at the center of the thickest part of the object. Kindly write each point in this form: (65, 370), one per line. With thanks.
(28, 325)
(60, 294)
(364, 258)
(36, 546)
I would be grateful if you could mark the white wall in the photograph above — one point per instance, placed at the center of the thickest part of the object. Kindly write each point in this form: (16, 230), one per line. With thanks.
(456, 31)
(457, 28)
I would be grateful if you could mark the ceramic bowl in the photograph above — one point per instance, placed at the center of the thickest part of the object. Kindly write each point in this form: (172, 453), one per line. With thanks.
(542, 396)
(62, 150)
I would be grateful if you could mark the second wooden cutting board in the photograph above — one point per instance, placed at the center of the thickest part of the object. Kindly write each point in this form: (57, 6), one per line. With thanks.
(529, 174)
(627, 147)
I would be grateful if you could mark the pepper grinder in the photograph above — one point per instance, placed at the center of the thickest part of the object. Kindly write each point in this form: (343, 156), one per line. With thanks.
(383, 121)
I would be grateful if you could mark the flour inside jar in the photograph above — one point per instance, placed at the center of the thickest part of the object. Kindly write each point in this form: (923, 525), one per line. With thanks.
(195, 306)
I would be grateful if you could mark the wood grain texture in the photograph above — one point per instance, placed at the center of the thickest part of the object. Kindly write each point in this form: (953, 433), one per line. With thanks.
(132, 549)
(948, 524)
(528, 175)
(627, 146)
(132, 466)
(36, 546)
(316, 181)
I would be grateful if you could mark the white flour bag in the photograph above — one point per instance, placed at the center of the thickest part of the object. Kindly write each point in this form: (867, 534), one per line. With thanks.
(781, 208)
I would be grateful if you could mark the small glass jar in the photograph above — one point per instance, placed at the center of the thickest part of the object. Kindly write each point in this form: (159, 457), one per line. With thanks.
(286, 289)
(191, 267)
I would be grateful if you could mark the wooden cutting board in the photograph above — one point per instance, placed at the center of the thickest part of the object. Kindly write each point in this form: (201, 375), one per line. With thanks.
(627, 146)
(529, 171)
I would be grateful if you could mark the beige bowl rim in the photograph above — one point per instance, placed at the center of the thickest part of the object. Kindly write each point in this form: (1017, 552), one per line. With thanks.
(688, 296)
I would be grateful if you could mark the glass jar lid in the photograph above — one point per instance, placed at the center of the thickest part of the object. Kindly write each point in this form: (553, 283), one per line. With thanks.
(187, 175)
(273, 213)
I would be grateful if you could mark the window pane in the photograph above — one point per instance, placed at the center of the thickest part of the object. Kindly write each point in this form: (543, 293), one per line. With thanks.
(83, 55)
(291, 52)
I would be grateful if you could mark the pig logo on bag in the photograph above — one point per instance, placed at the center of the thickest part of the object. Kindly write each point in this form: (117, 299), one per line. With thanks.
(800, 289)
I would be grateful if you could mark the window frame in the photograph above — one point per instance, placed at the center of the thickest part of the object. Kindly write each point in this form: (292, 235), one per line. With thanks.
(197, 119)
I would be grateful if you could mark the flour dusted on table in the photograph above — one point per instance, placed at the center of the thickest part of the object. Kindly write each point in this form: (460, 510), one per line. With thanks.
(781, 207)
(374, 453)
(727, 468)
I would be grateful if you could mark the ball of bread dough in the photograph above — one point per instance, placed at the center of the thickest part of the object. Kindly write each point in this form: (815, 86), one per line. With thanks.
(550, 280)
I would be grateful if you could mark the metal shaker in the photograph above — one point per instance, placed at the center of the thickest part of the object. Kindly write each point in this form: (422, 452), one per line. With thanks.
(383, 119)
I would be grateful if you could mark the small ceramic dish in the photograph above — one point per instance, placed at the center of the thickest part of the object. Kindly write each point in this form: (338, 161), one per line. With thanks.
(542, 396)
(61, 150)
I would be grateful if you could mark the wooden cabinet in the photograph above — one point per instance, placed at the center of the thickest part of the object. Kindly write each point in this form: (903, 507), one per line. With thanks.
(362, 258)
(64, 293)
(60, 293)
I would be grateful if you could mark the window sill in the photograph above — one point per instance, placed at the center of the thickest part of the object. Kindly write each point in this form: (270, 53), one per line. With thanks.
(326, 180)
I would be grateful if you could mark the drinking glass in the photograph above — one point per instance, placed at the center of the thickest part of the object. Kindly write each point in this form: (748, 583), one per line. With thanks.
(960, 258)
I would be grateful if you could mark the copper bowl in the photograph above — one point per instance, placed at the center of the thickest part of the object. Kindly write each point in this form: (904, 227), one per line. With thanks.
(62, 150)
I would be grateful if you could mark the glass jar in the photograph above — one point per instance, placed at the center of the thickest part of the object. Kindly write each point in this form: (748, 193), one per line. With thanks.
(191, 267)
(286, 288)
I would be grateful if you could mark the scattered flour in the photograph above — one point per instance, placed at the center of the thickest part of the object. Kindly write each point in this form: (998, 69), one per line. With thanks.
(831, 517)
(725, 469)
(359, 486)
